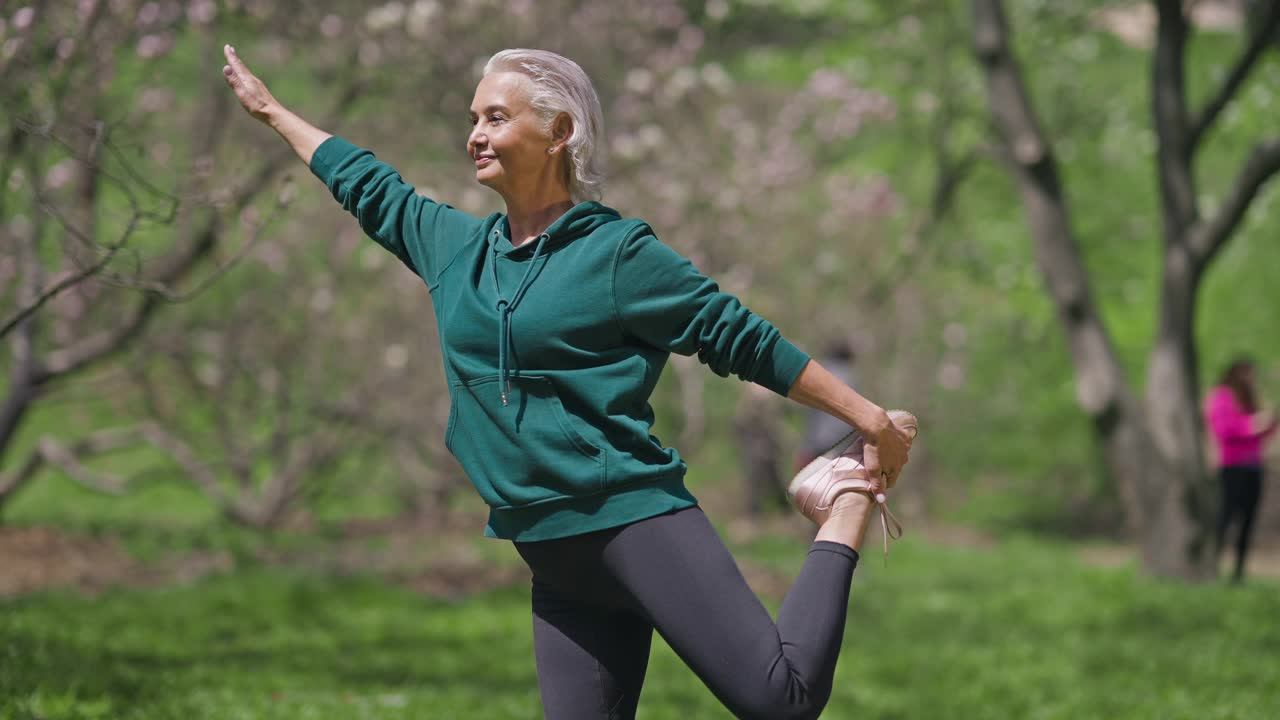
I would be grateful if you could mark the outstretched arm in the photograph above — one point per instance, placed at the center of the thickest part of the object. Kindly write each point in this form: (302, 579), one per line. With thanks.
(1265, 423)
(421, 232)
(253, 95)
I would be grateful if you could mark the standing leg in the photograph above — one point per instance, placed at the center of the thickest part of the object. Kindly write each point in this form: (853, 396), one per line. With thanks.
(1250, 495)
(1231, 504)
(685, 582)
(591, 659)
(1224, 510)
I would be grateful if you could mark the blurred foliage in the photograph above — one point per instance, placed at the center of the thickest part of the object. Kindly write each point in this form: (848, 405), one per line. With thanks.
(724, 119)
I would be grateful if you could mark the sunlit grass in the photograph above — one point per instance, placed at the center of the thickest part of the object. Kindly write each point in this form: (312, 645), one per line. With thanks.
(1022, 630)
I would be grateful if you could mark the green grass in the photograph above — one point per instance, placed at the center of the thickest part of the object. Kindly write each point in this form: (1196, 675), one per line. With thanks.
(1020, 631)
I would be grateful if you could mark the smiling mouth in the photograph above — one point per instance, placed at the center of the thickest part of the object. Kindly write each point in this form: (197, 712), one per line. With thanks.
(484, 162)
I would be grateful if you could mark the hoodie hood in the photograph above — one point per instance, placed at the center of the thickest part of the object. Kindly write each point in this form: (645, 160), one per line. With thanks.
(577, 222)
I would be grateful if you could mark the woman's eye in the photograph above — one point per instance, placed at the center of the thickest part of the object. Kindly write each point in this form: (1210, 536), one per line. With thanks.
(496, 119)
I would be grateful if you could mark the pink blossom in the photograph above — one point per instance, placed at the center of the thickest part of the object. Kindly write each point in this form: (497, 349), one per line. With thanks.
(202, 12)
(155, 45)
(148, 14)
(331, 26)
(23, 18)
(60, 174)
(156, 100)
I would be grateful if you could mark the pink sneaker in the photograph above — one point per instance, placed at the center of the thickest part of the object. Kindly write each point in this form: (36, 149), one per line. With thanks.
(839, 470)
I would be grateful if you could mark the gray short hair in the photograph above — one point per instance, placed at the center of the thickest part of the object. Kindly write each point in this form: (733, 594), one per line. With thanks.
(561, 86)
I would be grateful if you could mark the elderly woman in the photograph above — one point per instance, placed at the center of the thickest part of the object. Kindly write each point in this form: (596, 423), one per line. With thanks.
(556, 319)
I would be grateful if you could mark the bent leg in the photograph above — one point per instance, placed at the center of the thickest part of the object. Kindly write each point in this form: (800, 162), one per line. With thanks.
(683, 579)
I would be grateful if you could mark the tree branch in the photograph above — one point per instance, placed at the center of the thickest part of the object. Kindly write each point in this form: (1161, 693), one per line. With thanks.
(182, 454)
(75, 278)
(104, 344)
(1244, 64)
(49, 451)
(70, 459)
(1179, 207)
(1209, 237)
(9, 484)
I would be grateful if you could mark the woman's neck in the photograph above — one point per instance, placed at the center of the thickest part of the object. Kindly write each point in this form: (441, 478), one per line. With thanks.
(530, 212)
(528, 218)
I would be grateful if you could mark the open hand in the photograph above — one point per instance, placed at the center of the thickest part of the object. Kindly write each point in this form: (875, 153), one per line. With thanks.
(250, 91)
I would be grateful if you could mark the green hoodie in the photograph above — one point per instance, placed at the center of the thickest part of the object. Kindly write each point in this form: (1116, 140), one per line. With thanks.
(552, 349)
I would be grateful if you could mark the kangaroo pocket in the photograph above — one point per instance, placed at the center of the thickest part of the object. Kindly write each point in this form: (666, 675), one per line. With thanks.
(524, 452)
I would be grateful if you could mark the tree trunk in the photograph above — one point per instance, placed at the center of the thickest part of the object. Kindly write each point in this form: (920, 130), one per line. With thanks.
(756, 428)
(17, 402)
(1101, 386)
(1178, 538)
(1177, 541)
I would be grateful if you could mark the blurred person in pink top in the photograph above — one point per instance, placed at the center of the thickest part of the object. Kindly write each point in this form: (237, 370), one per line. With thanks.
(1239, 428)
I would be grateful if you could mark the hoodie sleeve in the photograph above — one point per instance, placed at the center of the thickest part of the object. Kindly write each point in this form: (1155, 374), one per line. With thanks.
(414, 228)
(662, 299)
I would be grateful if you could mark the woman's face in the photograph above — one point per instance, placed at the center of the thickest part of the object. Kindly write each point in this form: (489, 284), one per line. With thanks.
(1246, 375)
(507, 142)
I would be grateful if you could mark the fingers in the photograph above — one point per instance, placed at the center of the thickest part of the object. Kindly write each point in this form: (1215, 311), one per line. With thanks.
(235, 69)
(871, 461)
(893, 455)
(229, 70)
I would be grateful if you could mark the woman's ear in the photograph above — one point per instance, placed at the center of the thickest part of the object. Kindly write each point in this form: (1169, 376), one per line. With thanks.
(561, 131)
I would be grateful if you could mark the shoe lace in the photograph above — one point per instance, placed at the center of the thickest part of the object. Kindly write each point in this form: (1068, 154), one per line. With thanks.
(892, 529)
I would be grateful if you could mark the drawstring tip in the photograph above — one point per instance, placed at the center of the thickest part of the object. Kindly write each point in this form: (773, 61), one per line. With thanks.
(889, 525)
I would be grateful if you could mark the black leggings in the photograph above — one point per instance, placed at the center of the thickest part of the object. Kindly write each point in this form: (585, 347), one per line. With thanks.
(598, 597)
(1241, 493)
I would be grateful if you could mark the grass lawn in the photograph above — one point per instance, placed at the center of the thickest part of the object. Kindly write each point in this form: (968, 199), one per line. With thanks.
(1022, 630)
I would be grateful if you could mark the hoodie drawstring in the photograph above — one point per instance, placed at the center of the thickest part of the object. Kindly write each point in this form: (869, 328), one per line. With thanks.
(506, 307)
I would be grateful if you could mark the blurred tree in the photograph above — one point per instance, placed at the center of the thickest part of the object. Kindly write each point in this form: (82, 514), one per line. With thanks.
(95, 241)
(757, 430)
(1152, 448)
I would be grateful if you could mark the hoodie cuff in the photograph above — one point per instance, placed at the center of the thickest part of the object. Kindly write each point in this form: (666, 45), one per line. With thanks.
(326, 159)
(782, 367)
